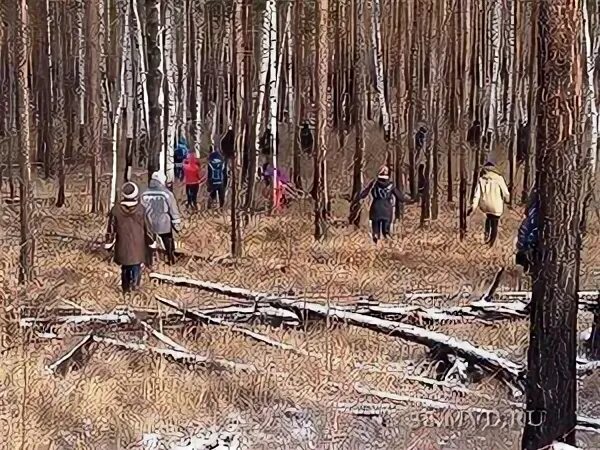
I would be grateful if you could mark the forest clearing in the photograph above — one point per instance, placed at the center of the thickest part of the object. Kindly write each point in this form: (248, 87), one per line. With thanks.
(282, 139)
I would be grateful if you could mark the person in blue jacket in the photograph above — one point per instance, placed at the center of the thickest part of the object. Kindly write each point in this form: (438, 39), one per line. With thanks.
(216, 180)
(528, 236)
(181, 152)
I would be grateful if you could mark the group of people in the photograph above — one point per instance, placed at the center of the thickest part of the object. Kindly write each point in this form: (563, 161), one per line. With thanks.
(143, 221)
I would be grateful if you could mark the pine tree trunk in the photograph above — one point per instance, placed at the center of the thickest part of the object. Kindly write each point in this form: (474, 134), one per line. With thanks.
(62, 116)
(551, 358)
(25, 188)
(298, 37)
(322, 47)
(154, 80)
(359, 105)
(93, 98)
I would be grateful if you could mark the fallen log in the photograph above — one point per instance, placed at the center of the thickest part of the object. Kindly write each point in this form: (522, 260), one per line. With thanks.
(195, 315)
(178, 356)
(583, 423)
(513, 372)
(160, 336)
(74, 354)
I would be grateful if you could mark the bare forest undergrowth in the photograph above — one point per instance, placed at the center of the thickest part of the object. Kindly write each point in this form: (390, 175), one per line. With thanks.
(115, 396)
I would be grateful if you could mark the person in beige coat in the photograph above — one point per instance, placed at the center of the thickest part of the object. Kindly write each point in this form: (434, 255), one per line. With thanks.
(491, 193)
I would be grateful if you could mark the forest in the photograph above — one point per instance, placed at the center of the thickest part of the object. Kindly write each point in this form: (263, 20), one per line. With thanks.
(279, 319)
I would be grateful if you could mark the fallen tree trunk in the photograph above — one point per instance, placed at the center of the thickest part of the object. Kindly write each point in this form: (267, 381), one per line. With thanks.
(178, 356)
(74, 354)
(195, 315)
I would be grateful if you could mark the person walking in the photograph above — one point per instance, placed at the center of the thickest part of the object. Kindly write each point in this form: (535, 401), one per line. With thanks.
(527, 238)
(491, 193)
(162, 214)
(181, 152)
(130, 235)
(217, 178)
(381, 212)
(192, 176)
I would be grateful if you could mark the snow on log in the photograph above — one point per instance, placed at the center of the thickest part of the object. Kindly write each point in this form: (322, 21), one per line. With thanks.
(160, 336)
(73, 355)
(77, 319)
(265, 312)
(232, 326)
(178, 356)
(217, 288)
(490, 361)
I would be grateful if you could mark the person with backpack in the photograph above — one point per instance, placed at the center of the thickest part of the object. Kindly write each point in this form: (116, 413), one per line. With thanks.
(181, 151)
(527, 239)
(217, 178)
(383, 192)
(129, 234)
(192, 176)
(162, 213)
(306, 139)
(491, 193)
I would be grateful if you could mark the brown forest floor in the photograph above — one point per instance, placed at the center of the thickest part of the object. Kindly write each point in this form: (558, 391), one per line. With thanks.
(117, 396)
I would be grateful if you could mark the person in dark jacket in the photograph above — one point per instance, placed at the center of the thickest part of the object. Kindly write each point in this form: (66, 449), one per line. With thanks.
(420, 139)
(306, 139)
(129, 233)
(216, 178)
(527, 239)
(523, 138)
(181, 151)
(381, 213)
(474, 134)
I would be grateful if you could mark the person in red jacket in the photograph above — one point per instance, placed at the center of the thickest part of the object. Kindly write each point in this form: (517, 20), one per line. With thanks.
(192, 177)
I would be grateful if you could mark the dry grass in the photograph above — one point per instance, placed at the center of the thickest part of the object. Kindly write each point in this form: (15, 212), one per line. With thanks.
(116, 396)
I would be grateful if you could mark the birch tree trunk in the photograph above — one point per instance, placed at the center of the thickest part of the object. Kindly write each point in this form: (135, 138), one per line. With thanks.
(26, 257)
(199, 33)
(551, 358)
(378, 60)
(60, 116)
(296, 50)
(273, 92)
(81, 73)
(359, 106)
(170, 93)
(121, 92)
(495, 34)
(322, 53)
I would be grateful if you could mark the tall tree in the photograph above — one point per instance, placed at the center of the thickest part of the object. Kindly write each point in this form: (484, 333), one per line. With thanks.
(322, 53)
(359, 107)
(154, 80)
(552, 375)
(23, 117)
(93, 98)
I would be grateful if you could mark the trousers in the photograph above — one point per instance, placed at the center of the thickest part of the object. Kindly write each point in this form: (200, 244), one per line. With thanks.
(191, 191)
(130, 277)
(214, 192)
(380, 227)
(491, 228)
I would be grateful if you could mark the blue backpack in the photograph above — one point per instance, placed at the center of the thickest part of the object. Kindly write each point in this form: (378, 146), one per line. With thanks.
(217, 170)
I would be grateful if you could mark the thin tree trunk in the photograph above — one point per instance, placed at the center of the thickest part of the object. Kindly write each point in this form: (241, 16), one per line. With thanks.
(552, 374)
(154, 80)
(463, 115)
(378, 60)
(322, 47)
(531, 105)
(62, 116)
(359, 106)
(298, 37)
(273, 94)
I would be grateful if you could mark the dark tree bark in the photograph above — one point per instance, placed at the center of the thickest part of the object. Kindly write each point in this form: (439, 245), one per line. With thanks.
(359, 105)
(552, 381)
(154, 78)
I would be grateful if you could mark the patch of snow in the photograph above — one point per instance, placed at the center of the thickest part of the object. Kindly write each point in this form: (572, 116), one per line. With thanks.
(562, 446)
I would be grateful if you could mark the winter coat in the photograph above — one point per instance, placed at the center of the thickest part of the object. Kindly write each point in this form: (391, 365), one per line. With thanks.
(383, 193)
(181, 151)
(491, 193)
(191, 170)
(212, 158)
(528, 231)
(128, 226)
(161, 208)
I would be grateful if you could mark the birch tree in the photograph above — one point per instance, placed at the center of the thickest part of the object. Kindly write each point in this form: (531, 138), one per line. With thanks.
(154, 80)
(273, 91)
(27, 246)
(378, 60)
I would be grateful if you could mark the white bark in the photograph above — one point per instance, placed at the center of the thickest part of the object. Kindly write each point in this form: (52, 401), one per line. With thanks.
(183, 99)
(378, 61)
(170, 64)
(81, 60)
(289, 36)
(142, 84)
(590, 98)
(495, 34)
(121, 92)
(273, 88)
(161, 96)
(263, 67)
(199, 37)
(129, 88)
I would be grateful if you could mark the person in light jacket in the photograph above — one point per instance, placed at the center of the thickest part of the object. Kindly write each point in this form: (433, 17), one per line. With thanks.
(162, 212)
(491, 193)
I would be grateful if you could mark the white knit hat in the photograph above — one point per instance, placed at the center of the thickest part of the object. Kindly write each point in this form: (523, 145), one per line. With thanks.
(129, 192)
(160, 177)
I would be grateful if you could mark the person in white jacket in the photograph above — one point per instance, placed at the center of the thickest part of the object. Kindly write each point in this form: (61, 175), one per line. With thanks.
(491, 193)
